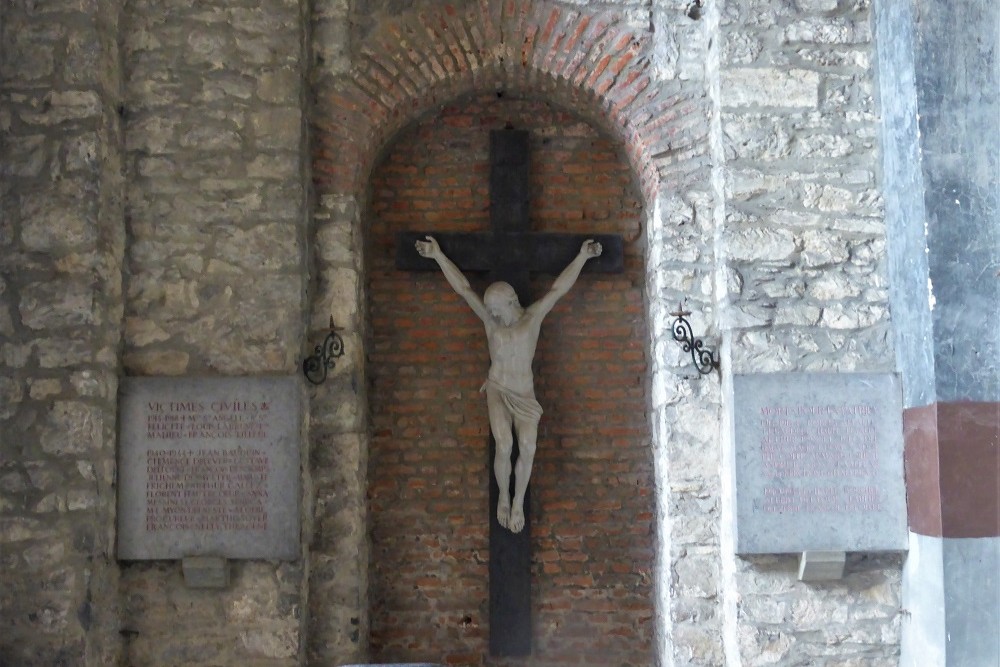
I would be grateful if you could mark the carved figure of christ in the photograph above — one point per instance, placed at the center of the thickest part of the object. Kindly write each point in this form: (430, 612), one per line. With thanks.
(512, 333)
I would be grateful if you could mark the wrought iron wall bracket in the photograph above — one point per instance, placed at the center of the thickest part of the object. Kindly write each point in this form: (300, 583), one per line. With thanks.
(324, 357)
(705, 360)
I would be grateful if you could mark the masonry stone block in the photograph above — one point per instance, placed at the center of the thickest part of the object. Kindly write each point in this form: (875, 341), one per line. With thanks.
(279, 86)
(338, 297)
(267, 247)
(279, 128)
(72, 427)
(52, 305)
(825, 30)
(770, 88)
(52, 224)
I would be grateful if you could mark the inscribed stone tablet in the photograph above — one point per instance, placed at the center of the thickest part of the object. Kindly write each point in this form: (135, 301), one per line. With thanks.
(209, 467)
(819, 463)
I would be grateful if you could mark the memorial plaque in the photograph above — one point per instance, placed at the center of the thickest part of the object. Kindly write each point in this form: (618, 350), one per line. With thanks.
(819, 463)
(209, 467)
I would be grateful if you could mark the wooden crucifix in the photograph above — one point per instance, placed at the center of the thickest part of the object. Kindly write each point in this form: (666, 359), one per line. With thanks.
(509, 253)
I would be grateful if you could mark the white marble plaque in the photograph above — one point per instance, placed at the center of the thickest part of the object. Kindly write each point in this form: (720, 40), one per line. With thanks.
(819, 463)
(209, 467)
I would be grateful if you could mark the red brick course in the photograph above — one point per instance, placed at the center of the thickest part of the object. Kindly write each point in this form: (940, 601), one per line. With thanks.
(592, 484)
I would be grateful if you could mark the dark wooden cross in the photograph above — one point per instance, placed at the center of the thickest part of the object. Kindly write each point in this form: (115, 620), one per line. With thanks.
(509, 252)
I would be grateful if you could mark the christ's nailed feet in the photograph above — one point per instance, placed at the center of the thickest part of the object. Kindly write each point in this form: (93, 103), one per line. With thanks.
(503, 514)
(516, 520)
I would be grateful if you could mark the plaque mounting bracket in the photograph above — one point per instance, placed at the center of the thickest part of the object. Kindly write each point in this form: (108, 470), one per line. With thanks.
(205, 572)
(822, 565)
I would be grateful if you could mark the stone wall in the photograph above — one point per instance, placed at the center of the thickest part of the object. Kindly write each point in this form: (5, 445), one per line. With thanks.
(749, 127)
(803, 281)
(61, 245)
(215, 275)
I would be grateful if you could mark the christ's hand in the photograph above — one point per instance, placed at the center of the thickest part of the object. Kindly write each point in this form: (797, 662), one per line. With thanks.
(591, 248)
(428, 248)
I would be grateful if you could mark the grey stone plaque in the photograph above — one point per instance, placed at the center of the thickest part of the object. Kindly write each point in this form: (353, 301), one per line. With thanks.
(819, 463)
(209, 467)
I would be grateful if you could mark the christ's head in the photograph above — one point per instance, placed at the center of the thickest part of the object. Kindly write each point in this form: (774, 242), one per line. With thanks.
(501, 302)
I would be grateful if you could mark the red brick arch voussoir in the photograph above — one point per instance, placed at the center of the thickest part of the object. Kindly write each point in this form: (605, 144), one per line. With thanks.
(591, 62)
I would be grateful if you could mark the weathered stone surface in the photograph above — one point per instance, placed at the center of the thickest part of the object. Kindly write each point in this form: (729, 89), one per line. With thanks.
(72, 427)
(220, 245)
(764, 245)
(53, 224)
(816, 5)
(11, 394)
(53, 306)
(280, 86)
(27, 155)
(157, 362)
(277, 128)
(277, 643)
(44, 387)
(829, 31)
(268, 247)
(337, 297)
(770, 88)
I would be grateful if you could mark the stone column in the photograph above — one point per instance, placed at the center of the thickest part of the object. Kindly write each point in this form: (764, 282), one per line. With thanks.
(61, 246)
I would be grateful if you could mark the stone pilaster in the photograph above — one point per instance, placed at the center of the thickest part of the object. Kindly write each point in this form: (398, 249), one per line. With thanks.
(61, 248)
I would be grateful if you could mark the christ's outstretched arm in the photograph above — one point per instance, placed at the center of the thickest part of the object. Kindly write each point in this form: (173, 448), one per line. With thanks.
(454, 276)
(566, 279)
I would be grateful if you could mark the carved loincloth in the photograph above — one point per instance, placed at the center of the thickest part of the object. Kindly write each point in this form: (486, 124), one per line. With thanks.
(525, 407)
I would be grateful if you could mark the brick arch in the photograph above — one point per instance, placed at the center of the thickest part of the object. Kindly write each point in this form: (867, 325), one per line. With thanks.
(595, 65)
(592, 62)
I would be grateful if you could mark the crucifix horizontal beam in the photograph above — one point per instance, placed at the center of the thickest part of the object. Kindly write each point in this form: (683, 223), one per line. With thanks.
(539, 252)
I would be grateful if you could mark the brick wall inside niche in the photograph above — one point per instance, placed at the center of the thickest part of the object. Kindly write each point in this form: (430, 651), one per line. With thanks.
(592, 483)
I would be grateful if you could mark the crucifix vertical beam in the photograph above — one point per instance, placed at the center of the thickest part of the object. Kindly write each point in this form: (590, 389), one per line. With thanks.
(510, 553)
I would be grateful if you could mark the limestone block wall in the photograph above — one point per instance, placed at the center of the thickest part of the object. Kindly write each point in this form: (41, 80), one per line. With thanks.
(748, 125)
(803, 283)
(61, 244)
(215, 275)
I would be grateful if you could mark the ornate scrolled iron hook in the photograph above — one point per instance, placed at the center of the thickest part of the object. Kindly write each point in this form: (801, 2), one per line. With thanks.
(324, 357)
(705, 360)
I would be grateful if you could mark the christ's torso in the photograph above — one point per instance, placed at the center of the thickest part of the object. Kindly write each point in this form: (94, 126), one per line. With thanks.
(512, 349)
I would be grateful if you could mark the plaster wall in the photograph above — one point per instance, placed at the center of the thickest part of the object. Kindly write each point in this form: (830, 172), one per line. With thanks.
(972, 590)
(923, 629)
(903, 189)
(958, 97)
